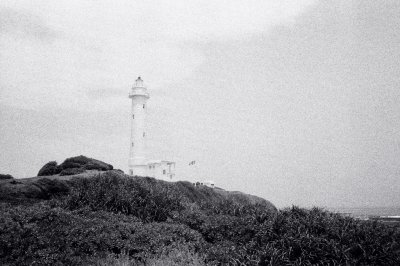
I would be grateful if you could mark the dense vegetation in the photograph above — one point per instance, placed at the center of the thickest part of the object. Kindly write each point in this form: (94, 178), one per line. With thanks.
(2, 177)
(114, 219)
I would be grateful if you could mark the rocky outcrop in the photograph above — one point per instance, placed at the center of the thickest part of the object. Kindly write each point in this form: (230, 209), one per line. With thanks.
(73, 165)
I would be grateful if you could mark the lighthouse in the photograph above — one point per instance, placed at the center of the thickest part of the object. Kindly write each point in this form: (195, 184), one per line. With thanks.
(137, 156)
(138, 163)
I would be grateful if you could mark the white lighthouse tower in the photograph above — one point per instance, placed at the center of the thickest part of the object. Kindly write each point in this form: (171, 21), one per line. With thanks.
(138, 164)
(137, 156)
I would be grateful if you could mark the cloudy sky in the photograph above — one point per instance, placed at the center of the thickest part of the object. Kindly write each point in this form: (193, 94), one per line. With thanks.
(294, 101)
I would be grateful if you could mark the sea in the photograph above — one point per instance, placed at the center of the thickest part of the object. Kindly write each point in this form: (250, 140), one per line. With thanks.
(366, 213)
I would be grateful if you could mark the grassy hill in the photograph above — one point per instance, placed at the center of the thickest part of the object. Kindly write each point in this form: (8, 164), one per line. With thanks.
(108, 218)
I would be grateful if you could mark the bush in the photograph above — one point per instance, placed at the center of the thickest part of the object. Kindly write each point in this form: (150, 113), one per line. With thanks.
(94, 166)
(69, 165)
(86, 163)
(112, 218)
(50, 168)
(319, 237)
(177, 256)
(4, 177)
(52, 236)
(115, 192)
(72, 171)
(81, 160)
(45, 188)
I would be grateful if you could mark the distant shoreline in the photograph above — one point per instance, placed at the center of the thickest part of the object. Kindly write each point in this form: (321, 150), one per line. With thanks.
(384, 214)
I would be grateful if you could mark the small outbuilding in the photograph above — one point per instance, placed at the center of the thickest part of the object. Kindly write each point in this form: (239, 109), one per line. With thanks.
(160, 169)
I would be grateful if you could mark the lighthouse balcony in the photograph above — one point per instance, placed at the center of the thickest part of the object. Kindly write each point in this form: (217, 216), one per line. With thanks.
(139, 92)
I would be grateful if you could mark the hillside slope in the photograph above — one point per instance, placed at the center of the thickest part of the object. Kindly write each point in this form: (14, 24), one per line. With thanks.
(41, 188)
(109, 218)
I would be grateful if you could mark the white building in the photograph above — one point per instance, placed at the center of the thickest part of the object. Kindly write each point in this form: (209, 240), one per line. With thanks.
(209, 183)
(138, 164)
(164, 170)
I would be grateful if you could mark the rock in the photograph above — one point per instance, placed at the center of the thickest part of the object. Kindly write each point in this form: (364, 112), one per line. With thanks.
(73, 166)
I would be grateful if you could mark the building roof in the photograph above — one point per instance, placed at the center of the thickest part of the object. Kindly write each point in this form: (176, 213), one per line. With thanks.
(159, 162)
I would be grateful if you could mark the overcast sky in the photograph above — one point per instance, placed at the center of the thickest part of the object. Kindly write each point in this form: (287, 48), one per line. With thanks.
(294, 101)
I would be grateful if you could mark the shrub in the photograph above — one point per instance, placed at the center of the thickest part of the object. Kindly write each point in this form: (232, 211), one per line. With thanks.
(174, 254)
(50, 168)
(181, 255)
(86, 163)
(117, 260)
(94, 166)
(72, 171)
(45, 188)
(51, 187)
(115, 192)
(115, 219)
(4, 177)
(52, 236)
(319, 237)
(81, 160)
(69, 165)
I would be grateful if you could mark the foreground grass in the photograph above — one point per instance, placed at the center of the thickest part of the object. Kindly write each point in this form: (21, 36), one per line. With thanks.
(113, 219)
(180, 256)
